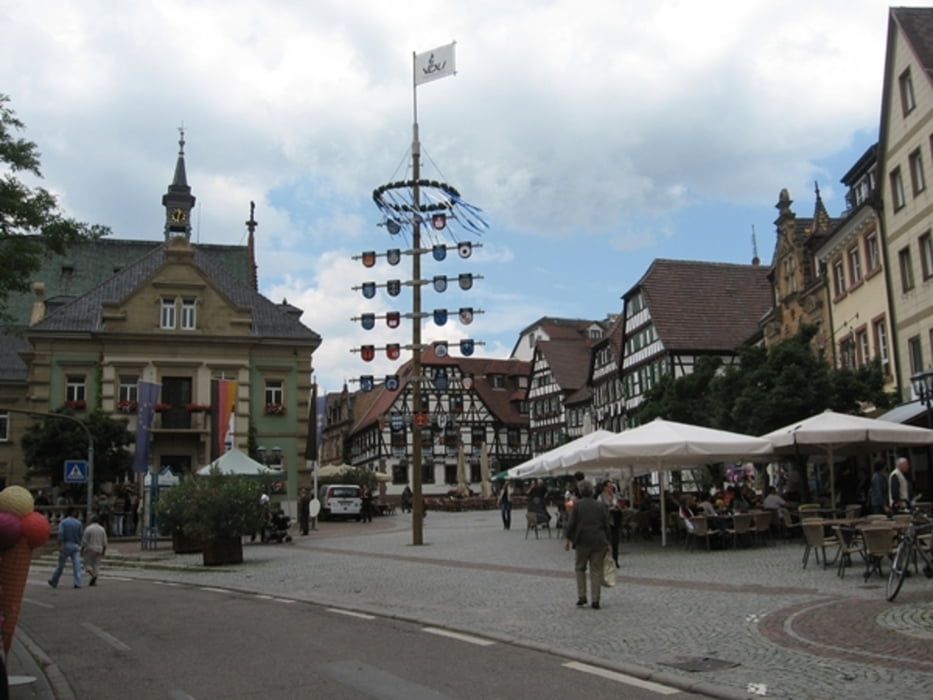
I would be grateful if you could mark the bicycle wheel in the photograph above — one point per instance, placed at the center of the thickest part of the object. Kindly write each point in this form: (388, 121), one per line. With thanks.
(899, 566)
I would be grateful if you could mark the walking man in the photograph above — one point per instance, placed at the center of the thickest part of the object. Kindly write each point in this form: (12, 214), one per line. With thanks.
(93, 548)
(900, 489)
(588, 532)
(69, 543)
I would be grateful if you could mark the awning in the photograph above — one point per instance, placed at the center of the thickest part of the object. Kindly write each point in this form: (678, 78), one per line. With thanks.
(905, 413)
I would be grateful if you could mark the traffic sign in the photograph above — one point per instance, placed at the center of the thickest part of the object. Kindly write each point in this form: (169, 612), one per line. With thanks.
(75, 471)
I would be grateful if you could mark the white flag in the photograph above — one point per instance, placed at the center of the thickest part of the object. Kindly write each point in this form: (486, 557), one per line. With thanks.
(434, 64)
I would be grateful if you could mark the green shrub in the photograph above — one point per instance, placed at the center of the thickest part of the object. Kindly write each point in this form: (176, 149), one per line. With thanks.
(217, 505)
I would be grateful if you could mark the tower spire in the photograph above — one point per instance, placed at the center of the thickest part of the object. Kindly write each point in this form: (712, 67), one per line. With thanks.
(178, 200)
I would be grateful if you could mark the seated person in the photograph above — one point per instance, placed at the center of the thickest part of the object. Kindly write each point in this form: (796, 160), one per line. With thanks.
(773, 500)
(686, 512)
(536, 506)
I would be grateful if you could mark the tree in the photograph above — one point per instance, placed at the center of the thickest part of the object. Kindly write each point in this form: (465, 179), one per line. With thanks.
(31, 225)
(49, 442)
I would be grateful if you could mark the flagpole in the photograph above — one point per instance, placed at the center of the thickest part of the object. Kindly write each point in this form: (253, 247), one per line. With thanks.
(417, 510)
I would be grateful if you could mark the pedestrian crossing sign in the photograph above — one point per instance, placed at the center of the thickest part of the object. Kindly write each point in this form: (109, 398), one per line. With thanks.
(75, 471)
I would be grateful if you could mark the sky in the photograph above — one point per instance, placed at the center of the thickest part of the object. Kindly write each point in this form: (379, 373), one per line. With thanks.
(595, 136)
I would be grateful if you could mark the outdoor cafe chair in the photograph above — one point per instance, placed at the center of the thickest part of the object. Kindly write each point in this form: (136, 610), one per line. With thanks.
(702, 529)
(850, 542)
(762, 520)
(741, 528)
(791, 528)
(853, 510)
(532, 524)
(817, 541)
(879, 541)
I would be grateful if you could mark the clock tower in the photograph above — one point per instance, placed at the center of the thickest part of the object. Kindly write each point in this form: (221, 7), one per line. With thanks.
(178, 201)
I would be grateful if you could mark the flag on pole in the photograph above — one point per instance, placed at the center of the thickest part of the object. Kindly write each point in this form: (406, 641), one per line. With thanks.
(147, 394)
(436, 63)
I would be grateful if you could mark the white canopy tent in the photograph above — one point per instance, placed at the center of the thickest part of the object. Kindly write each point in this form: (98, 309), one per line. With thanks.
(662, 446)
(550, 461)
(236, 462)
(832, 434)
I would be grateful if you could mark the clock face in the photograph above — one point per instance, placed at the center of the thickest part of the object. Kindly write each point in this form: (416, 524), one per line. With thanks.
(178, 216)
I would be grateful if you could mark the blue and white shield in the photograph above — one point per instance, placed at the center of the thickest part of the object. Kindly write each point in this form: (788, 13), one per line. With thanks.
(465, 249)
(440, 252)
(440, 316)
(368, 321)
(466, 315)
(440, 348)
(393, 226)
(467, 346)
(393, 318)
(441, 382)
(366, 382)
(392, 383)
(369, 258)
(439, 221)
(466, 280)
(396, 420)
(369, 289)
(393, 256)
(394, 287)
(440, 283)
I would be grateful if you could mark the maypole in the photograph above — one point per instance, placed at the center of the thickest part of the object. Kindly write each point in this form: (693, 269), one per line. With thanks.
(405, 205)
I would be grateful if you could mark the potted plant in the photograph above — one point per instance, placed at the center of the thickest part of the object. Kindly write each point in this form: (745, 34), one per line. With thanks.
(217, 509)
(176, 508)
(275, 409)
(127, 406)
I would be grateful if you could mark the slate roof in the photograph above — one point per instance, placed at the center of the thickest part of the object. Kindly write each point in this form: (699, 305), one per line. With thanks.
(917, 25)
(705, 306)
(87, 264)
(84, 313)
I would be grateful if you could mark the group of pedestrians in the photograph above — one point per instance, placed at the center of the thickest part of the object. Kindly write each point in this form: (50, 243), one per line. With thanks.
(76, 541)
(891, 492)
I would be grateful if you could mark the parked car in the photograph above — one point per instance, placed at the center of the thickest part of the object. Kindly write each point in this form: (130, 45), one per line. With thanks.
(341, 501)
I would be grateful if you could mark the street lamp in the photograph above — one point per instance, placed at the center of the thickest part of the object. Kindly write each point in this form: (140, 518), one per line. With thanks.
(922, 383)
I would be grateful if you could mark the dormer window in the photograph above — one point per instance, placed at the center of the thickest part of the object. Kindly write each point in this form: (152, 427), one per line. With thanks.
(68, 270)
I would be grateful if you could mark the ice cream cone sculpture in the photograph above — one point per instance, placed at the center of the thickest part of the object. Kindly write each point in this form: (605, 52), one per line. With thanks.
(22, 529)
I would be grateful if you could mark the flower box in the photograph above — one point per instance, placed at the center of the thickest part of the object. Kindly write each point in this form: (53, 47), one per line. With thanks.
(275, 409)
(197, 407)
(127, 406)
(78, 404)
(161, 407)
(222, 550)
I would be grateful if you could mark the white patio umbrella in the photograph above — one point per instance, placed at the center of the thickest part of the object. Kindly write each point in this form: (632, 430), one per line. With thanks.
(833, 433)
(550, 460)
(662, 446)
(236, 462)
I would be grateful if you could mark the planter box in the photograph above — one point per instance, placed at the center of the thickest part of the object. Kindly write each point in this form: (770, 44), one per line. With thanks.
(223, 550)
(185, 545)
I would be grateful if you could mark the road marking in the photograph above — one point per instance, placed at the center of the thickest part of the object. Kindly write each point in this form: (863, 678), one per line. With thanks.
(180, 695)
(479, 641)
(274, 599)
(37, 602)
(622, 678)
(352, 613)
(107, 637)
(211, 589)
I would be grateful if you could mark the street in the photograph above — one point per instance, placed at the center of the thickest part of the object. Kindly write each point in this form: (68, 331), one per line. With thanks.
(731, 623)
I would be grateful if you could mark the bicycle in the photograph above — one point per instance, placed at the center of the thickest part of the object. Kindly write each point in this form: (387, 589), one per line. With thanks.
(908, 548)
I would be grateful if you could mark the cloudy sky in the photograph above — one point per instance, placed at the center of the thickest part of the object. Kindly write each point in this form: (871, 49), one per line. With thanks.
(595, 135)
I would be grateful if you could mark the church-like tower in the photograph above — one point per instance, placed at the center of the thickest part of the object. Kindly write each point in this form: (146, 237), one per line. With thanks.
(178, 200)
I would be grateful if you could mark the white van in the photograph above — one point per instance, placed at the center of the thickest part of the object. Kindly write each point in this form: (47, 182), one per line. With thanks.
(341, 501)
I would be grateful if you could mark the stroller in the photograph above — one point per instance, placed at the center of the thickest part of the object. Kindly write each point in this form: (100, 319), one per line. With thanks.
(276, 528)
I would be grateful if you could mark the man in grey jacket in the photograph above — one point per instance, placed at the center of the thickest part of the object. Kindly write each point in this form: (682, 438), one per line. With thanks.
(588, 531)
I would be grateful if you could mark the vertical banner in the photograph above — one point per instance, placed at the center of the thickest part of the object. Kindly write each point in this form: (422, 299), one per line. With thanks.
(223, 403)
(311, 445)
(147, 394)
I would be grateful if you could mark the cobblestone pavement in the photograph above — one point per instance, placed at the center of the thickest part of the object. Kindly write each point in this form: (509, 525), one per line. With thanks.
(753, 620)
